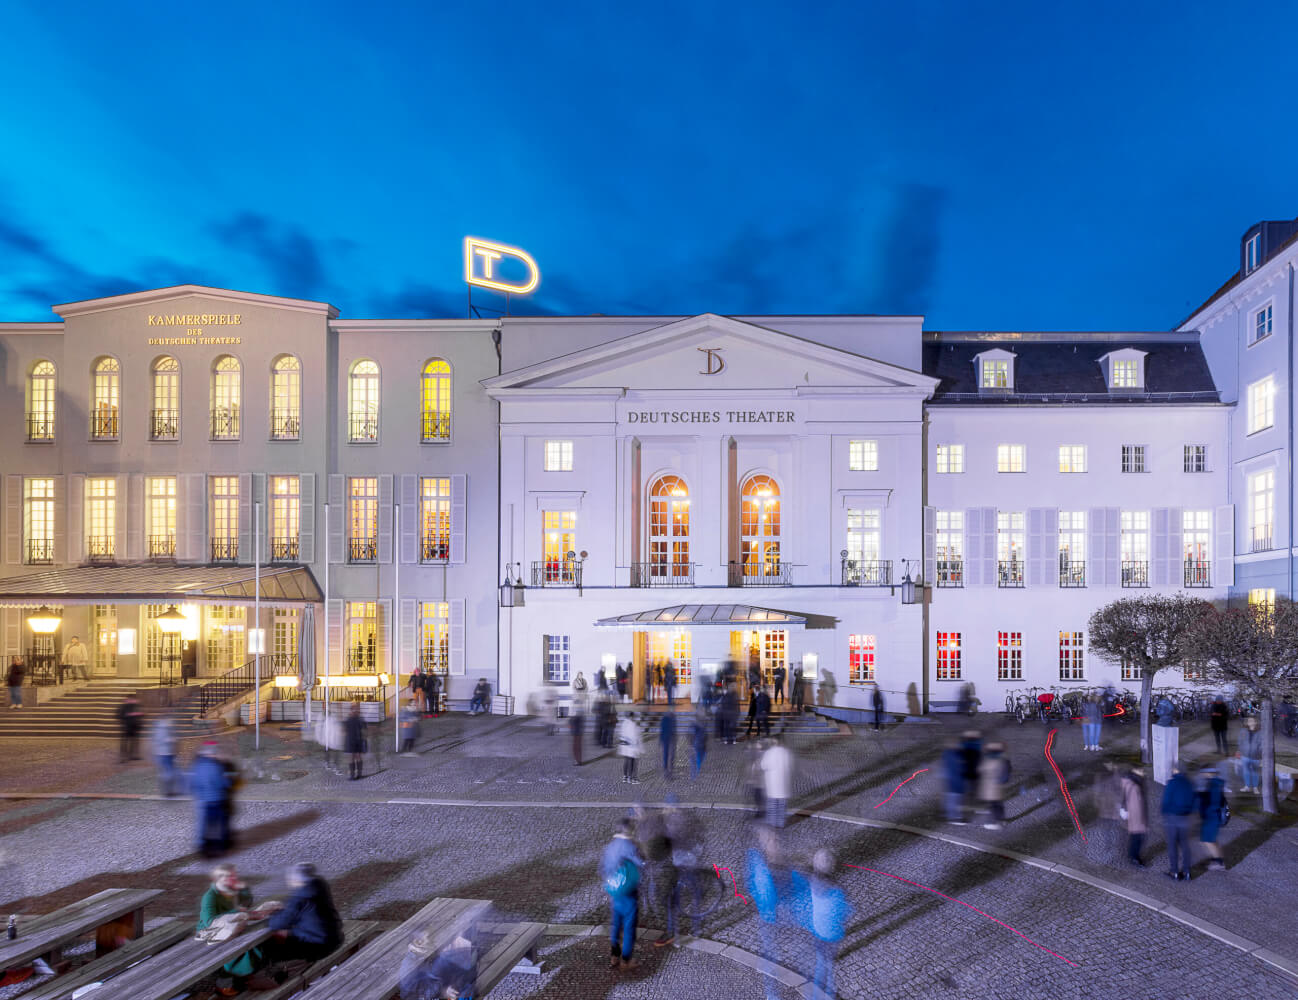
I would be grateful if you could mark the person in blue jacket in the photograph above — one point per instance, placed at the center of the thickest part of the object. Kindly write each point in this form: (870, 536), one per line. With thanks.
(1179, 803)
(211, 781)
(766, 876)
(308, 928)
(830, 912)
(953, 763)
(619, 869)
(1212, 807)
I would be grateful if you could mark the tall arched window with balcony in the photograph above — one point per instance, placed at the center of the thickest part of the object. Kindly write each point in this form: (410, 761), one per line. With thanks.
(669, 534)
(227, 398)
(761, 533)
(105, 398)
(41, 400)
(435, 393)
(363, 402)
(285, 398)
(164, 417)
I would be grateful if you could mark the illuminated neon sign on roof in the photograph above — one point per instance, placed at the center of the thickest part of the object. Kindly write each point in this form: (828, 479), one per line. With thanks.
(480, 257)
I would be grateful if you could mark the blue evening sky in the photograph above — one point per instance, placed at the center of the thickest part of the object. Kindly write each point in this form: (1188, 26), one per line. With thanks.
(993, 166)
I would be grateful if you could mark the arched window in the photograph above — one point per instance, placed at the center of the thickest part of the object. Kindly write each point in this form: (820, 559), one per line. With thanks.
(41, 402)
(436, 397)
(105, 392)
(669, 532)
(363, 402)
(285, 398)
(227, 395)
(761, 530)
(164, 418)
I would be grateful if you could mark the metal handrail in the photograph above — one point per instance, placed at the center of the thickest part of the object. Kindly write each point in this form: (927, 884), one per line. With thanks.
(103, 423)
(950, 573)
(285, 425)
(40, 427)
(162, 547)
(1261, 535)
(243, 678)
(866, 572)
(760, 574)
(225, 549)
(362, 549)
(284, 550)
(436, 426)
(1197, 573)
(362, 429)
(1135, 573)
(40, 551)
(1009, 573)
(556, 573)
(164, 425)
(1072, 572)
(101, 548)
(225, 423)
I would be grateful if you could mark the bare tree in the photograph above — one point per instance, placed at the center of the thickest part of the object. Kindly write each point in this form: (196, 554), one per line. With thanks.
(1255, 648)
(1150, 633)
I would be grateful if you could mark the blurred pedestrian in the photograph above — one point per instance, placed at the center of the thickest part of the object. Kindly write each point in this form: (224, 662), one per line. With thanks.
(416, 686)
(409, 720)
(580, 693)
(228, 899)
(1250, 752)
(685, 834)
(669, 683)
(1213, 813)
(630, 746)
(1219, 719)
(778, 676)
(729, 714)
(752, 712)
(433, 693)
(577, 727)
(607, 717)
(767, 877)
(667, 741)
(953, 768)
(354, 742)
(993, 776)
(481, 700)
(619, 870)
(830, 911)
(971, 746)
(130, 719)
(307, 928)
(659, 681)
(1092, 716)
(876, 702)
(164, 753)
(777, 767)
(211, 782)
(1135, 811)
(763, 712)
(1179, 804)
(630, 681)
(14, 681)
(798, 692)
(75, 660)
(699, 740)
(620, 681)
(754, 779)
(453, 972)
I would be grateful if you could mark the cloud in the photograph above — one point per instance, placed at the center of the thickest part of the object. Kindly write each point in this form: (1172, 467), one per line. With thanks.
(294, 260)
(908, 246)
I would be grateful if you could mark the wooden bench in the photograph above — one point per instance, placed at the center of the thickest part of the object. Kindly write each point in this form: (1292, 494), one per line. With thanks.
(517, 942)
(356, 933)
(175, 970)
(373, 973)
(113, 914)
(160, 937)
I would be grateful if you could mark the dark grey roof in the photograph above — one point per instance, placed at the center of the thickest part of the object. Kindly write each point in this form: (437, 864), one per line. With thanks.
(162, 584)
(1065, 368)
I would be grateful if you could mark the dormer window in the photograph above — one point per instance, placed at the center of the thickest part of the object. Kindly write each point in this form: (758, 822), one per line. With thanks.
(995, 370)
(1124, 370)
(1125, 374)
(1252, 253)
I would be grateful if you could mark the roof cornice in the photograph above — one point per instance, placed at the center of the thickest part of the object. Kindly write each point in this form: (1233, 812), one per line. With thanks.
(31, 328)
(130, 299)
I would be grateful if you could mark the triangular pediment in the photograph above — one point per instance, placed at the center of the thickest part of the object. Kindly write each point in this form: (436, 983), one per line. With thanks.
(710, 353)
(158, 299)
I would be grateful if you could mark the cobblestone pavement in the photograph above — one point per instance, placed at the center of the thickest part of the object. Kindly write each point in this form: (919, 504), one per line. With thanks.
(385, 859)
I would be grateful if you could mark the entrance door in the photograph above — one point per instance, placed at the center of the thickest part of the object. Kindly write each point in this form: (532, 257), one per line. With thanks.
(103, 640)
(226, 638)
(763, 650)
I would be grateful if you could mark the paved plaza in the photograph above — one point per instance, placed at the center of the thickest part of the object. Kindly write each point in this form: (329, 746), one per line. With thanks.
(495, 808)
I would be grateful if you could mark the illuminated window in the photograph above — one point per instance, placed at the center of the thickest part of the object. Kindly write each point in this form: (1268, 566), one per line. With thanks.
(1130, 671)
(225, 518)
(1133, 458)
(1263, 596)
(1196, 458)
(436, 401)
(105, 399)
(1261, 405)
(950, 458)
(41, 401)
(863, 456)
(1009, 656)
(435, 519)
(363, 402)
(948, 656)
(1010, 457)
(864, 543)
(101, 518)
(38, 521)
(669, 531)
(362, 655)
(285, 398)
(559, 538)
(1133, 545)
(1124, 374)
(285, 517)
(1261, 325)
(1071, 666)
(1261, 509)
(160, 516)
(761, 528)
(860, 658)
(1009, 547)
(363, 519)
(558, 456)
(164, 416)
(949, 544)
(1072, 548)
(227, 637)
(435, 637)
(1072, 458)
(558, 658)
(995, 374)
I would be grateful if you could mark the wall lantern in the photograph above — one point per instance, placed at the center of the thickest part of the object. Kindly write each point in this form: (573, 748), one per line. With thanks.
(44, 621)
(907, 585)
(512, 591)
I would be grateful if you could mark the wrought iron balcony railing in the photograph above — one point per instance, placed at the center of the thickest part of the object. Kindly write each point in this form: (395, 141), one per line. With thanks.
(1135, 573)
(434, 549)
(362, 429)
(362, 550)
(283, 550)
(103, 424)
(1009, 573)
(1072, 572)
(225, 423)
(162, 546)
(867, 572)
(164, 425)
(661, 573)
(285, 425)
(556, 573)
(40, 427)
(225, 549)
(435, 426)
(101, 548)
(1261, 537)
(40, 551)
(950, 573)
(1198, 573)
(760, 574)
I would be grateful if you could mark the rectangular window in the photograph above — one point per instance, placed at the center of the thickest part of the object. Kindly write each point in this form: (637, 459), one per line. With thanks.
(1264, 596)
(558, 659)
(1010, 457)
(362, 637)
(558, 456)
(435, 637)
(1009, 656)
(1009, 547)
(101, 518)
(1124, 375)
(950, 458)
(1134, 547)
(161, 516)
(1133, 458)
(1072, 458)
(1196, 533)
(1130, 672)
(225, 518)
(38, 521)
(948, 656)
(950, 548)
(1196, 458)
(863, 456)
(996, 375)
(1261, 326)
(1071, 667)
(560, 538)
(363, 518)
(1261, 404)
(1072, 548)
(864, 537)
(285, 517)
(860, 657)
(1253, 253)
(1261, 509)
(435, 519)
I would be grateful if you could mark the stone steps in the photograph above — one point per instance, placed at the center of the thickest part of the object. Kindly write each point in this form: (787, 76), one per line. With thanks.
(90, 712)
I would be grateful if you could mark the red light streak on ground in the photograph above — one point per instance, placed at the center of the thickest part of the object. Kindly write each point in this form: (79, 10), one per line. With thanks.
(718, 869)
(1110, 715)
(952, 899)
(1063, 786)
(898, 788)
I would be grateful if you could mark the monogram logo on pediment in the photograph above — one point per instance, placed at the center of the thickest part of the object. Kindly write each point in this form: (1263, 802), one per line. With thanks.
(716, 363)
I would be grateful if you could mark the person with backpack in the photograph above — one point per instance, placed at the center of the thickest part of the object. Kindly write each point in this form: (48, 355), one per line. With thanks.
(620, 869)
(1178, 804)
(1214, 813)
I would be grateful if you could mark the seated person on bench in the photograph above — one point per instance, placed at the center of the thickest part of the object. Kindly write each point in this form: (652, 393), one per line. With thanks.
(448, 976)
(481, 697)
(228, 895)
(308, 928)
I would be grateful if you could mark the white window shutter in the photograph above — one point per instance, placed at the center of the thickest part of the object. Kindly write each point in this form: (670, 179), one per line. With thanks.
(409, 649)
(973, 553)
(1158, 525)
(194, 525)
(75, 524)
(1035, 545)
(930, 546)
(337, 518)
(459, 516)
(121, 508)
(1095, 564)
(60, 519)
(385, 518)
(245, 517)
(1223, 556)
(13, 519)
(989, 547)
(260, 523)
(409, 541)
(334, 636)
(306, 517)
(1112, 546)
(457, 636)
(13, 618)
(384, 658)
(1175, 552)
(135, 517)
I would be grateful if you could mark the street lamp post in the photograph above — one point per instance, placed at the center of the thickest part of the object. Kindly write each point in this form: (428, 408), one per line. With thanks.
(170, 622)
(44, 622)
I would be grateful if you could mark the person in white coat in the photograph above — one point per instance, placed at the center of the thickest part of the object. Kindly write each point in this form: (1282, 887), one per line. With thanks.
(777, 769)
(630, 745)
